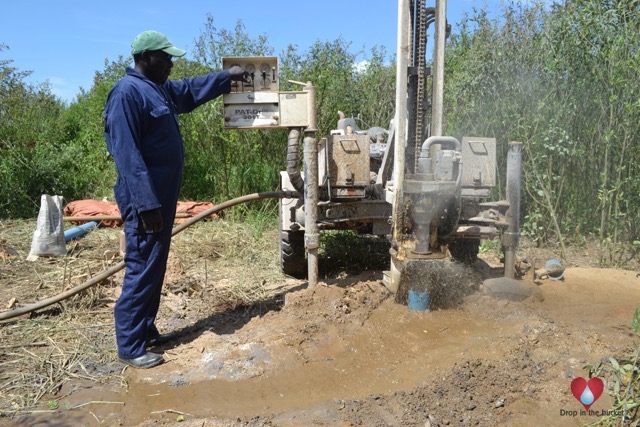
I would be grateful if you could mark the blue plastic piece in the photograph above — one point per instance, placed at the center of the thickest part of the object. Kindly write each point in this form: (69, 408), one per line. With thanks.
(79, 231)
(419, 300)
(554, 263)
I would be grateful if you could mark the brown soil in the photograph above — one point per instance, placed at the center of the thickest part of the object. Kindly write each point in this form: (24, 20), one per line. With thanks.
(345, 353)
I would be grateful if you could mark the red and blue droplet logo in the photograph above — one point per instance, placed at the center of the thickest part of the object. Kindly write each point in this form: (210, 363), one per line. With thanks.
(587, 392)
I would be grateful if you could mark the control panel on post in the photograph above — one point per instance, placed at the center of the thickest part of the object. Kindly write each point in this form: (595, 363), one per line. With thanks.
(258, 103)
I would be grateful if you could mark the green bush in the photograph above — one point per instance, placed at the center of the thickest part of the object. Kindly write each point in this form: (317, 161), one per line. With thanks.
(560, 78)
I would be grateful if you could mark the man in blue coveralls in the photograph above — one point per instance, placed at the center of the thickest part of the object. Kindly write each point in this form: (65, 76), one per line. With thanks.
(142, 135)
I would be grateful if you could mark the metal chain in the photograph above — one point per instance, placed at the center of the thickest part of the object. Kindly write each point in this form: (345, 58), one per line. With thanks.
(422, 77)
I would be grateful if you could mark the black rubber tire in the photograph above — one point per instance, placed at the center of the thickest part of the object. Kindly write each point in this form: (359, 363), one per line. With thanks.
(292, 254)
(464, 250)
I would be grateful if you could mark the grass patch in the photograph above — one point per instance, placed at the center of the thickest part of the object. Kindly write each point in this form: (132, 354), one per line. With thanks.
(214, 267)
(622, 377)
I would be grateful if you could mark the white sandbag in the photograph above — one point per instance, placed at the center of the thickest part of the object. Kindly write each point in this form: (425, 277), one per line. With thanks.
(48, 239)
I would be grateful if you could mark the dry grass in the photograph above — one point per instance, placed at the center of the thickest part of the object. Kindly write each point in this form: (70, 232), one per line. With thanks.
(69, 340)
(214, 266)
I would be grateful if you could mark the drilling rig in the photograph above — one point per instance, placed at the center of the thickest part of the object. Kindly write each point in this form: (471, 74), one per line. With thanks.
(427, 192)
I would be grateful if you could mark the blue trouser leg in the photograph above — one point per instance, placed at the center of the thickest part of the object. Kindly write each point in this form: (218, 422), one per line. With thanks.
(154, 303)
(135, 311)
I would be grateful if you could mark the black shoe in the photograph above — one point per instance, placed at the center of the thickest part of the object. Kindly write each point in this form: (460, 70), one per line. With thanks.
(162, 339)
(147, 360)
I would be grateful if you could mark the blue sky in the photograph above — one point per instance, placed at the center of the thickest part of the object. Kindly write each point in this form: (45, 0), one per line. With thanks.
(64, 42)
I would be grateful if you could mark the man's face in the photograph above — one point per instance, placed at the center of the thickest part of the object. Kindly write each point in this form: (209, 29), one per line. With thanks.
(159, 66)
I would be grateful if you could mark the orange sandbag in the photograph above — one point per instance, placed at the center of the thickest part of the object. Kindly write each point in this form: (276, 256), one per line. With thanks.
(94, 208)
(98, 208)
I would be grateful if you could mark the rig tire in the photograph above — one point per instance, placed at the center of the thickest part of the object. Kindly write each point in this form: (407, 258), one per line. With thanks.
(292, 255)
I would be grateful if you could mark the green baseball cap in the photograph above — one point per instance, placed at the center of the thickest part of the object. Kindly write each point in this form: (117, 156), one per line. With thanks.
(153, 40)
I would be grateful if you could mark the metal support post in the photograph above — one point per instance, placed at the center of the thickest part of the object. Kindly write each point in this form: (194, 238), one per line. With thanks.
(438, 68)
(311, 189)
(400, 118)
(512, 235)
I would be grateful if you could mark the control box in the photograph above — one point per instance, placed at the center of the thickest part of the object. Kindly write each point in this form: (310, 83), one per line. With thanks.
(343, 162)
(259, 103)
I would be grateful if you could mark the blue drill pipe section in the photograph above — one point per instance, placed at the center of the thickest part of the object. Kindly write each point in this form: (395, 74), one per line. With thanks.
(79, 231)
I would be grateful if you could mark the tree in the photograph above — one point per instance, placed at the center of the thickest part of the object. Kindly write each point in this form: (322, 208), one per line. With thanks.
(28, 127)
(561, 79)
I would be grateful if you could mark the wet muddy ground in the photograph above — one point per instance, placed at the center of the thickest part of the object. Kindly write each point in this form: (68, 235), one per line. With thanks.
(345, 353)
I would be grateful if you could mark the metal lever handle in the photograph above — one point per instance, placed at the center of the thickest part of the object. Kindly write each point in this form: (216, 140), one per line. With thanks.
(296, 82)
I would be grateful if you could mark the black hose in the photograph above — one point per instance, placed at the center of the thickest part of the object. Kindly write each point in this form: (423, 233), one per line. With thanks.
(113, 270)
(293, 160)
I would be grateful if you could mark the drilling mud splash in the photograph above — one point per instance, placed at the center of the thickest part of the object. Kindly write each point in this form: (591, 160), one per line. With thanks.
(446, 282)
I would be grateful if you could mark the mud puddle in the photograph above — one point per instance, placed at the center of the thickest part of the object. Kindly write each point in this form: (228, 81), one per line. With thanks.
(395, 349)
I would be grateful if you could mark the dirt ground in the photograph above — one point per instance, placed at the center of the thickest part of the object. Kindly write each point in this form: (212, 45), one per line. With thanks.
(345, 353)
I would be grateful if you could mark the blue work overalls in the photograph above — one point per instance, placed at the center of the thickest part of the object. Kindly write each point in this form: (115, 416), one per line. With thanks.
(142, 135)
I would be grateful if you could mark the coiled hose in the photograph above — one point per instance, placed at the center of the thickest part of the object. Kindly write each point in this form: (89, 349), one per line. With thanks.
(113, 270)
(293, 158)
